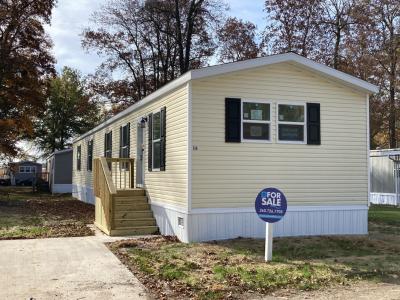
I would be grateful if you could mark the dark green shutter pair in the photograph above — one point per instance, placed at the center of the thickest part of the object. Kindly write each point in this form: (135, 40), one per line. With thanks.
(89, 155)
(123, 143)
(233, 122)
(78, 158)
(107, 143)
(163, 131)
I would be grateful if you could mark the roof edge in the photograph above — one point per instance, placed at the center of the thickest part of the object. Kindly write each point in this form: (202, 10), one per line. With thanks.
(153, 96)
(238, 66)
(286, 57)
(58, 152)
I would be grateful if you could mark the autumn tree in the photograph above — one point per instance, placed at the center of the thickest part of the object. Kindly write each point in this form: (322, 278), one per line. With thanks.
(237, 40)
(335, 20)
(149, 43)
(317, 30)
(25, 65)
(293, 26)
(69, 111)
(386, 16)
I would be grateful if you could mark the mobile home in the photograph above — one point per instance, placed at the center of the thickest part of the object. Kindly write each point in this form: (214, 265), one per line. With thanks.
(25, 172)
(189, 159)
(385, 176)
(59, 167)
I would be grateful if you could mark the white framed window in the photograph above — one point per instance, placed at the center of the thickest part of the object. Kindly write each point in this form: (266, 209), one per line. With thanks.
(27, 169)
(256, 121)
(291, 123)
(156, 141)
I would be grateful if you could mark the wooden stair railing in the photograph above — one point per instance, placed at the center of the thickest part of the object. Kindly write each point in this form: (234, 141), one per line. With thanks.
(105, 191)
(120, 208)
(122, 172)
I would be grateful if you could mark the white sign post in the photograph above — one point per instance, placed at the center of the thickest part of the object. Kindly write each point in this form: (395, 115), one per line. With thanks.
(270, 207)
(268, 241)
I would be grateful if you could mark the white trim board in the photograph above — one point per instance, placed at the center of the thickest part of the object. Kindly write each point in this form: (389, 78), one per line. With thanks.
(190, 148)
(369, 167)
(293, 208)
(297, 208)
(296, 59)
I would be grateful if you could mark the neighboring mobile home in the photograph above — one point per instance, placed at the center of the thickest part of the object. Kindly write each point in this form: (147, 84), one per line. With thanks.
(385, 176)
(206, 143)
(59, 167)
(24, 172)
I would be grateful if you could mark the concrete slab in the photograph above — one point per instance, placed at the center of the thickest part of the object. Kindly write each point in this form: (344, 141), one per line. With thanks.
(65, 268)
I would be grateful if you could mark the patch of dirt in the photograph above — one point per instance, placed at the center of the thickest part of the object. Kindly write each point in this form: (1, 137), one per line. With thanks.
(359, 291)
(159, 289)
(38, 215)
(63, 210)
(235, 269)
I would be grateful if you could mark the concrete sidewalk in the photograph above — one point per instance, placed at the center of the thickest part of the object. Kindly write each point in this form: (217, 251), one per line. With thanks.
(64, 268)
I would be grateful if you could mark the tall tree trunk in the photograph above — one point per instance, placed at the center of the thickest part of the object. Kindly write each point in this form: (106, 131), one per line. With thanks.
(179, 40)
(392, 107)
(392, 89)
(338, 34)
(189, 31)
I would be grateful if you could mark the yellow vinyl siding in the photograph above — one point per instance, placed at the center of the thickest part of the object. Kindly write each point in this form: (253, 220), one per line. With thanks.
(231, 174)
(168, 186)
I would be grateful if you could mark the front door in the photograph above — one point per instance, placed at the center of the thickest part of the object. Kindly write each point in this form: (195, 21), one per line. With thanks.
(139, 156)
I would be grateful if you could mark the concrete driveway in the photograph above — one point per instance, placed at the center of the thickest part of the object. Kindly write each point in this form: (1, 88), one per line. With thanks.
(64, 268)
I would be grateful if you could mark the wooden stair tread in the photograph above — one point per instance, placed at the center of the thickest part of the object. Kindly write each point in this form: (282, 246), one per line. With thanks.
(134, 219)
(139, 211)
(131, 192)
(134, 230)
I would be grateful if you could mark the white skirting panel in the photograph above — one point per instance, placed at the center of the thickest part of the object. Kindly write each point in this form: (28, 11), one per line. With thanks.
(301, 221)
(383, 198)
(61, 188)
(83, 193)
(167, 221)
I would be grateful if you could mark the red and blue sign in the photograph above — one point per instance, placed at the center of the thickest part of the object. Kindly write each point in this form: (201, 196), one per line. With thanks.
(271, 205)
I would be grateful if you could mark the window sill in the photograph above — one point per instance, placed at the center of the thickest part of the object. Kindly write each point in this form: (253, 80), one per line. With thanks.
(292, 142)
(256, 141)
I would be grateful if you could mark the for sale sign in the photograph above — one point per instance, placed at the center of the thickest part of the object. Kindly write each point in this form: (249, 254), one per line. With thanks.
(271, 205)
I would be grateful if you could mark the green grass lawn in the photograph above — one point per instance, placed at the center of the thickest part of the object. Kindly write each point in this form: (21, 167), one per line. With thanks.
(231, 269)
(24, 214)
(386, 215)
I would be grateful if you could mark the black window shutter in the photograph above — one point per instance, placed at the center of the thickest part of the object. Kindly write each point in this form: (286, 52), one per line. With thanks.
(163, 138)
(313, 124)
(120, 141)
(150, 144)
(232, 120)
(128, 154)
(105, 145)
(110, 143)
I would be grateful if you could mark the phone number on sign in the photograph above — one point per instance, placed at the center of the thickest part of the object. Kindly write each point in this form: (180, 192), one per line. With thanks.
(271, 211)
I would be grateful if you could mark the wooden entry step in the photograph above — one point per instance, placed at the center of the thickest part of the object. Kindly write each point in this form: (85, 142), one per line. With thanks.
(132, 214)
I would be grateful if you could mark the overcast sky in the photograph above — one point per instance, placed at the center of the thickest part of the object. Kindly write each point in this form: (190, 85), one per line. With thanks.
(71, 17)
